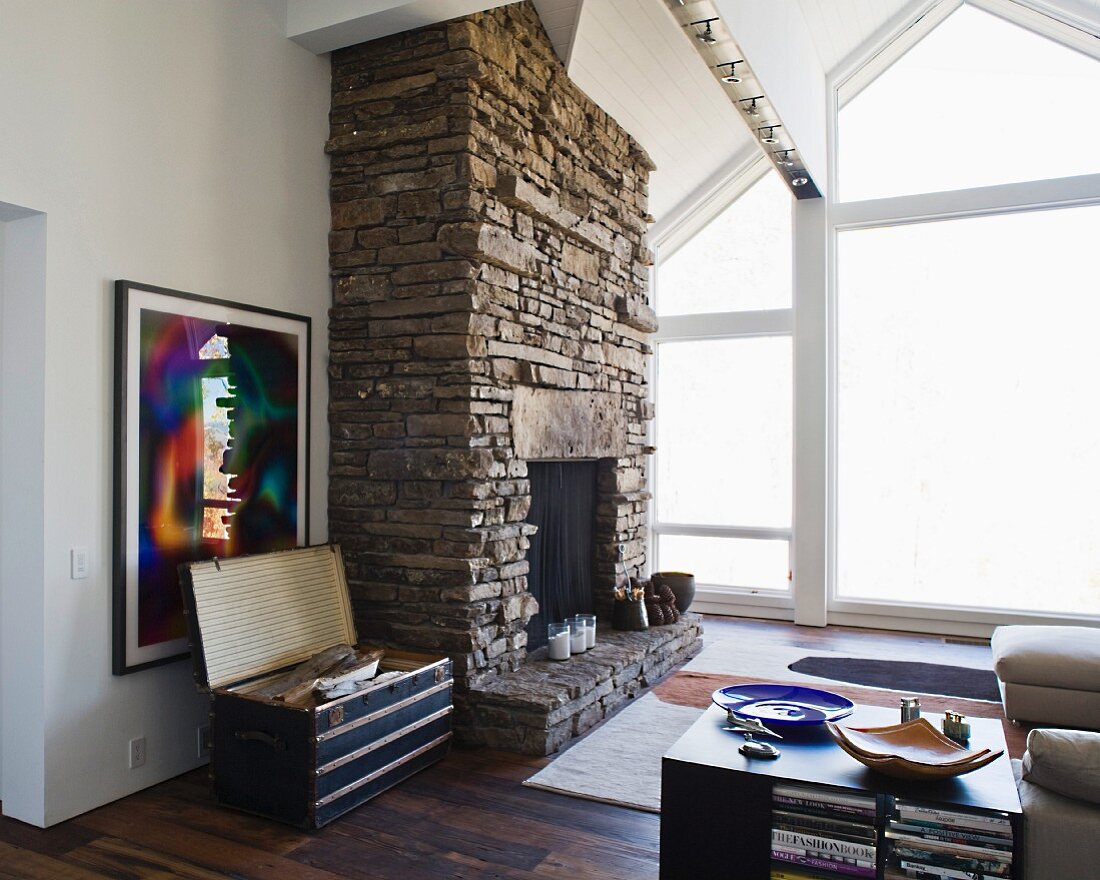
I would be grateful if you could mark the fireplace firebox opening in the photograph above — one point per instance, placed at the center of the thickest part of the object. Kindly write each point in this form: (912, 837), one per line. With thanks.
(563, 506)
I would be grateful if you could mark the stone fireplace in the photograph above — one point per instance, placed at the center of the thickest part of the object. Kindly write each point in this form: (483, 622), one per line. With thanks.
(490, 309)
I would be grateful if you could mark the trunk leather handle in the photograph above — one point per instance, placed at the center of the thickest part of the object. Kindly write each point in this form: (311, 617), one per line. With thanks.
(259, 736)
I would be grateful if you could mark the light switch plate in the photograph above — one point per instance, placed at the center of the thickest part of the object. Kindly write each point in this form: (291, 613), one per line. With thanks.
(79, 562)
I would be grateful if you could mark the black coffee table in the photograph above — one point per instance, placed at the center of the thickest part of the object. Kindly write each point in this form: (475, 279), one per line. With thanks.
(716, 803)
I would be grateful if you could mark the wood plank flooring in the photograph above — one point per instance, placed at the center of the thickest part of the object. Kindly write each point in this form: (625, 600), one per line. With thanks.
(466, 817)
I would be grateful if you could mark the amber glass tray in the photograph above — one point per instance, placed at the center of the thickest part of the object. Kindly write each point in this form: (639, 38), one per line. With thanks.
(911, 750)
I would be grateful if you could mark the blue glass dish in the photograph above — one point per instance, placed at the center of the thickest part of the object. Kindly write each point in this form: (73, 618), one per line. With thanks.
(783, 703)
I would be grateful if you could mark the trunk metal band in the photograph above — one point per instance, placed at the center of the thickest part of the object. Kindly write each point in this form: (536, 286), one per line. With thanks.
(385, 740)
(382, 713)
(381, 771)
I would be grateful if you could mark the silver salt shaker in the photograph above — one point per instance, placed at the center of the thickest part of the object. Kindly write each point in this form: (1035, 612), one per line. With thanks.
(910, 708)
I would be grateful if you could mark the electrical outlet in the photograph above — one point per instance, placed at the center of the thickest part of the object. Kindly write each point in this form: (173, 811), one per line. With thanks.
(204, 740)
(137, 752)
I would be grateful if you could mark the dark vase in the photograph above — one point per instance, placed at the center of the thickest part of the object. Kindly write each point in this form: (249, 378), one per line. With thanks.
(682, 585)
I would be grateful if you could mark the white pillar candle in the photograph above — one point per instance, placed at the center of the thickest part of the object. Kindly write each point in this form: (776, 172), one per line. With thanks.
(578, 639)
(559, 646)
(589, 630)
(557, 639)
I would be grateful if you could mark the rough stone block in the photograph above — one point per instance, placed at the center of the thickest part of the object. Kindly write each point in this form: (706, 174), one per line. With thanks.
(422, 205)
(442, 425)
(358, 289)
(414, 180)
(445, 270)
(636, 313)
(421, 305)
(548, 424)
(421, 252)
(580, 263)
(447, 346)
(430, 464)
(371, 137)
(391, 88)
(493, 244)
(344, 492)
(358, 212)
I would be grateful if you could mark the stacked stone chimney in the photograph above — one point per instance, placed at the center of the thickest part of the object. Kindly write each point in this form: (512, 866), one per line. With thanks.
(489, 308)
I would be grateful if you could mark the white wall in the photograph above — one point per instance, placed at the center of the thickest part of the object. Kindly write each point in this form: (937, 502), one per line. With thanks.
(2, 481)
(179, 144)
(22, 504)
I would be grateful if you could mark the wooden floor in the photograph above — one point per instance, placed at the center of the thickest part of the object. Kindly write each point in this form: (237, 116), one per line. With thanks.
(466, 817)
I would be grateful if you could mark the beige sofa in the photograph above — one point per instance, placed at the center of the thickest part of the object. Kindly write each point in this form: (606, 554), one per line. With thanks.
(1059, 784)
(1049, 675)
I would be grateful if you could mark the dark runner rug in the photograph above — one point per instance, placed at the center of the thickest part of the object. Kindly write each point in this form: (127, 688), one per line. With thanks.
(903, 675)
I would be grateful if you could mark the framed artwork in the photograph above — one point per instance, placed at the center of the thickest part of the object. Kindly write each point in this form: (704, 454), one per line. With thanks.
(211, 451)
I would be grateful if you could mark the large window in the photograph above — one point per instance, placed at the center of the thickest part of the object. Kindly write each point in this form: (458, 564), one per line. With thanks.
(921, 447)
(966, 438)
(978, 101)
(724, 398)
(968, 375)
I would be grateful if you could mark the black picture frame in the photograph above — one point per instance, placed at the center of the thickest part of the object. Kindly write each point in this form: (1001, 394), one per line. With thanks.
(170, 429)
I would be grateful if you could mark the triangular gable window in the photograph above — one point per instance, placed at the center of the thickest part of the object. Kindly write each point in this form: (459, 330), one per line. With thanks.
(740, 261)
(979, 101)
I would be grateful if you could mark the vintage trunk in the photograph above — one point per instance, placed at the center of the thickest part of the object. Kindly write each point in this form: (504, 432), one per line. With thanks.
(253, 617)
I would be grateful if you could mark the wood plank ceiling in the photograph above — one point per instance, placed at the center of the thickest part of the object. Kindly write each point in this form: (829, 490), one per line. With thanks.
(839, 27)
(635, 60)
(559, 17)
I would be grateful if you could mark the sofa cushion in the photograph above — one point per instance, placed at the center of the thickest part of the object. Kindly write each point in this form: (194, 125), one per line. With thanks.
(1048, 656)
(1061, 835)
(1064, 761)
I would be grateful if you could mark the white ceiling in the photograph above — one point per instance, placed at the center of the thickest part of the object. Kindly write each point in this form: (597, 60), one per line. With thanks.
(839, 27)
(559, 17)
(635, 60)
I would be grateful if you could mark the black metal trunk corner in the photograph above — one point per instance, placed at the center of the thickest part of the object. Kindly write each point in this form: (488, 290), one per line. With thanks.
(252, 616)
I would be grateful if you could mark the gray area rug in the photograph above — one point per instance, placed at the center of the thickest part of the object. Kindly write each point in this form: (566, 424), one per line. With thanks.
(620, 762)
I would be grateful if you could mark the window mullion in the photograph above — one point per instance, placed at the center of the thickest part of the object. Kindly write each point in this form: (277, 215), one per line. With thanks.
(765, 322)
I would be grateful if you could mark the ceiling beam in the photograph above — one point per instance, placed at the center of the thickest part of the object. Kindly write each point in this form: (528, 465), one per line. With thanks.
(777, 46)
(560, 18)
(324, 25)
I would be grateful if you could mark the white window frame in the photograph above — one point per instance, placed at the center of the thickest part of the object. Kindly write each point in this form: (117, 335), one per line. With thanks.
(714, 598)
(817, 599)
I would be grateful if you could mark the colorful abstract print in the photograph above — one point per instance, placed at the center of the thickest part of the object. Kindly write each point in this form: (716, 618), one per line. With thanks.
(218, 456)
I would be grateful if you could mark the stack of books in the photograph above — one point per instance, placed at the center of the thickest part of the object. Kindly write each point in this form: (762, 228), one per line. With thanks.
(820, 833)
(931, 843)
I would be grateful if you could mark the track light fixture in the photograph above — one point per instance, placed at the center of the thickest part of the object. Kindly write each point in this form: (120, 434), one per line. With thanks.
(768, 134)
(707, 36)
(732, 78)
(718, 41)
(751, 109)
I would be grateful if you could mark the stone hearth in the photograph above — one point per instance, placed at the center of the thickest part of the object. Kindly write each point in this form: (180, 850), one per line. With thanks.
(539, 708)
(490, 308)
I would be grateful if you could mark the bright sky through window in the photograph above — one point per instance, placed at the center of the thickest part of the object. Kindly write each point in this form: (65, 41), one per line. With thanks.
(969, 433)
(977, 102)
(740, 261)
